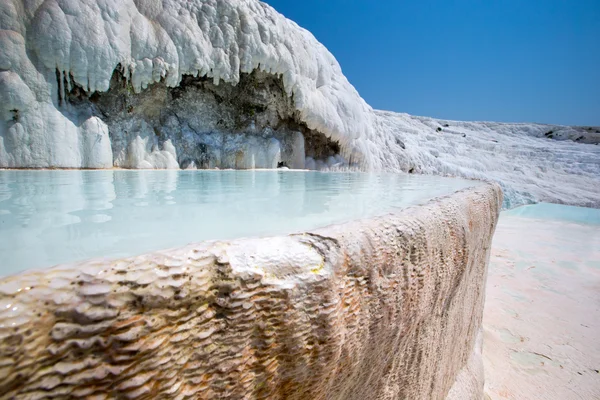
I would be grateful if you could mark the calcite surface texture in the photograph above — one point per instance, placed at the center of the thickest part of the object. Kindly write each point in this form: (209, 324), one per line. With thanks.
(383, 308)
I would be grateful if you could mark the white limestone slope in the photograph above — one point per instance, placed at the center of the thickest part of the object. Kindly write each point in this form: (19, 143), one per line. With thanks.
(529, 166)
(151, 40)
(44, 43)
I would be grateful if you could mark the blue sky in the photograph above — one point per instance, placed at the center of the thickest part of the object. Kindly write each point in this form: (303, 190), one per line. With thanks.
(507, 60)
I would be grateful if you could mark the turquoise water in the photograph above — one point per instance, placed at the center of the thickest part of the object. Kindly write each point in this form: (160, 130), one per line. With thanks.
(557, 212)
(52, 217)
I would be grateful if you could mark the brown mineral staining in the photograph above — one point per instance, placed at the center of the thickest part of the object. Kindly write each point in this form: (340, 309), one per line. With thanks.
(387, 308)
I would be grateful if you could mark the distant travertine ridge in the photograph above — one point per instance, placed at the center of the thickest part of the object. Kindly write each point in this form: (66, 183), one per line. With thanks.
(384, 308)
(234, 84)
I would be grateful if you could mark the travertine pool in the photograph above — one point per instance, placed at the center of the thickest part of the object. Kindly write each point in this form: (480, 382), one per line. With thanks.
(60, 216)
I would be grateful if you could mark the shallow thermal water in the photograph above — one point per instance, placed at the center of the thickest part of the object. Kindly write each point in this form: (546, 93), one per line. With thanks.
(559, 212)
(51, 217)
(542, 315)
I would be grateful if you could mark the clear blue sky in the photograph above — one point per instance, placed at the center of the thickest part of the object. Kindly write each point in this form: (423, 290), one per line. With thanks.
(508, 60)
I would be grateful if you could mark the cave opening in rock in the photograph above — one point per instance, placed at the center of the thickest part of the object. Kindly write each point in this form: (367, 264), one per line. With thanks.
(200, 124)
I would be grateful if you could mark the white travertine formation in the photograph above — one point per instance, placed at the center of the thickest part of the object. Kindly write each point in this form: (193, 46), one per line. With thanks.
(384, 308)
(532, 162)
(46, 47)
(42, 42)
(49, 47)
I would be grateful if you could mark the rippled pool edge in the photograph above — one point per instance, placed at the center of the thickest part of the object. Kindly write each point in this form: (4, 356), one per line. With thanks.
(388, 307)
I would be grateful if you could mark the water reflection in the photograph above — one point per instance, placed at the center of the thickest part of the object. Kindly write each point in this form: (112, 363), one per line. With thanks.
(50, 217)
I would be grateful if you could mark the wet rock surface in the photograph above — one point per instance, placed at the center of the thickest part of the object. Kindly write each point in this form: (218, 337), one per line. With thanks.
(382, 308)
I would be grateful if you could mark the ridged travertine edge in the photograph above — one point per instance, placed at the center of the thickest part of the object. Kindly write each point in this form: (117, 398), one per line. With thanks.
(383, 308)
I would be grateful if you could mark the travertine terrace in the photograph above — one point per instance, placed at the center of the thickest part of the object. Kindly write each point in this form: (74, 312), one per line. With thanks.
(382, 308)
